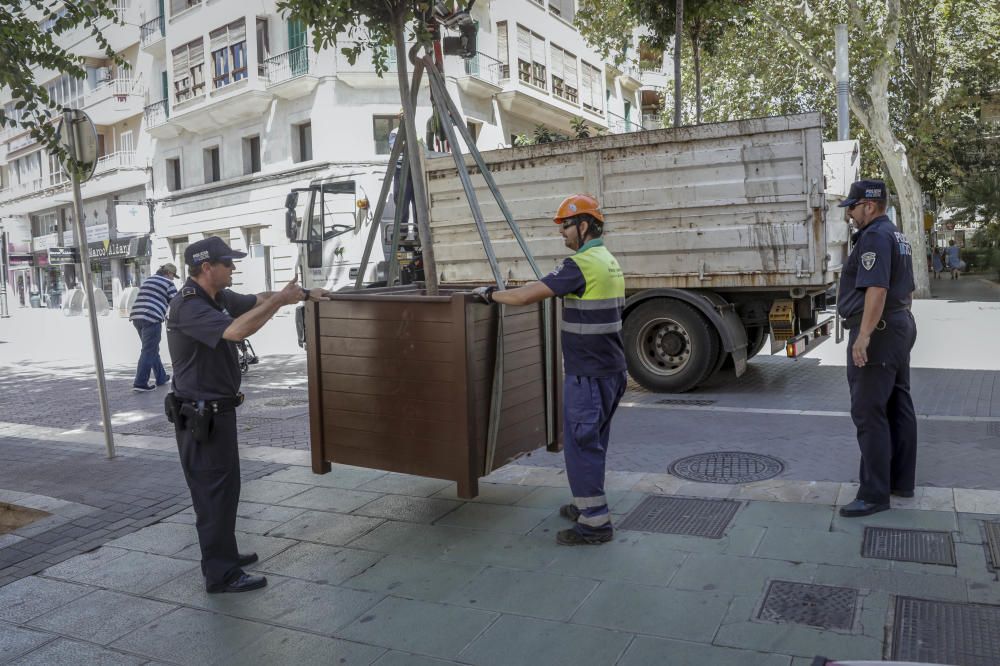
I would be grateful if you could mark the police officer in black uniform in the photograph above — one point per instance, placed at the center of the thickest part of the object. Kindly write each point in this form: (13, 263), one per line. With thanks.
(204, 322)
(876, 290)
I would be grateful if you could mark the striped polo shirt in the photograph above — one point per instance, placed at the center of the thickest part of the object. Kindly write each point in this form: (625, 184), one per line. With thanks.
(154, 295)
(593, 290)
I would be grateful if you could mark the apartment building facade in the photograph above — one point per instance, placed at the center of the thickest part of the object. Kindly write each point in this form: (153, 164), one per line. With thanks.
(226, 107)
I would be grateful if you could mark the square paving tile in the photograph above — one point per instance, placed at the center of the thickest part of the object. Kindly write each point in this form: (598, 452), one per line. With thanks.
(135, 572)
(393, 658)
(786, 514)
(542, 595)
(657, 611)
(645, 651)
(16, 641)
(489, 493)
(264, 546)
(519, 520)
(632, 559)
(267, 512)
(331, 499)
(269, 492)
(516, 641)
(405, 484)
(79, 564)
(160, 539)
(409, 509)
(64, 652)
(424, 628)
(278, 646)
(739, 576)
(101, 617)
(319, 563)
(340, 476)
(329, 528)
(427, 580)
(30, 597)
(798, 545)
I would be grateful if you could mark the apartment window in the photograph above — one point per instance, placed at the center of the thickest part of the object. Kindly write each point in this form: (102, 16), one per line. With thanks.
(503, 51)
(302, 148)
(189, 70)
(564, 79)
(531, 57)
(540, 3)
(251, 155)
(474, 129)
(177, 6)
(591, 88)
(66, 91)
(211, 165)
(229, 53)
(174, 174)
(28, 170)
(263, 45)
(381, 127)
(564, 9)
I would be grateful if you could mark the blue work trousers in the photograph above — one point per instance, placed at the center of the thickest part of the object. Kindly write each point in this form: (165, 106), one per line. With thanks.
(882, 410)
(589, 403)
(149, 357)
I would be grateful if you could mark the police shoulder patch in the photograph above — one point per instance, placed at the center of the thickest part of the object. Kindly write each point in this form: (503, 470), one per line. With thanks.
(188, 292)
(868, 260)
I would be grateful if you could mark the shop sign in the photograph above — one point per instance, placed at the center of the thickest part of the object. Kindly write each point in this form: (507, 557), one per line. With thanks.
(19, 260)
(63, 255)
(110, 249)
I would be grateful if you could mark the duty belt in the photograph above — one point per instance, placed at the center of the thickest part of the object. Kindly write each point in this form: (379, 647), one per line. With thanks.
(855, 320)
(218, 405)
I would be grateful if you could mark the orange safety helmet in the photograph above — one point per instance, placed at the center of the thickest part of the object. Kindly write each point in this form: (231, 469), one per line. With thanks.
(577, 205)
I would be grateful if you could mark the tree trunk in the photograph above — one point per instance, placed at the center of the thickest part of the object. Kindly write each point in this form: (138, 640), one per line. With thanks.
(413, 155)
(696, 58)
(678, 41)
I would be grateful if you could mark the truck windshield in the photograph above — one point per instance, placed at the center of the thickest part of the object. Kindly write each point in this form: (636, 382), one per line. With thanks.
(334, 210)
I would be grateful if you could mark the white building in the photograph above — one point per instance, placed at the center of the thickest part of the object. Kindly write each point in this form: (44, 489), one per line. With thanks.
(239, 110)
(35, 194)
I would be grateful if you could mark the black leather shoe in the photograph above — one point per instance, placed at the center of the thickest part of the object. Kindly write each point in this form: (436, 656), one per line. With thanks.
(903, 493)
(246, 559)
(573, 538)
(569, 511)
(244, 583)
(859, 508)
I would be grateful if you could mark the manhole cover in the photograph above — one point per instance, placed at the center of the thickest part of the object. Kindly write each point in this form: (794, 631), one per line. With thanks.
(820, 606)
(993, 544)
(284, 402)
(727, 467)
(944, 632)
(679, 515)
(886, 543)
(681, 401)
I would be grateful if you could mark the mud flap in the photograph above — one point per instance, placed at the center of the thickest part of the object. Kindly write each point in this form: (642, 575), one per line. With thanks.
(731, 330)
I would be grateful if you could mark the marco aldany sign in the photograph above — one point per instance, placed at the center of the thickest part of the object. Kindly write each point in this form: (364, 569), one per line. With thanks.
(109, 249)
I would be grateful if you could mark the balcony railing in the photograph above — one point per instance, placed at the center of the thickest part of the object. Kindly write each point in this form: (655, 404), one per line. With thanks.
(117, 160)
(152, 31)
(287, 65)
(652, 121)
(484, 67)
(157, 113)
(58, 178)
(120, 87)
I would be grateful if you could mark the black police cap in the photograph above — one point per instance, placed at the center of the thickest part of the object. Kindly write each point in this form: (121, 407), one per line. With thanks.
(210, 249)
(872, 190)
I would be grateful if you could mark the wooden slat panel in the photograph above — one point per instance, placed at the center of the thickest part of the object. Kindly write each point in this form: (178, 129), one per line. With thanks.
(386, 311)
(387, 349)
(418, 405)
(375, 386)
(390, 369)
(409, 428)
(387, 330)
(413, 447)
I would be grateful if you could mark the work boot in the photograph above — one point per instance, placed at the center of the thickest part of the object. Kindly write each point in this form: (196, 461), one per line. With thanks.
(572, 537)
(860, 507)
(569, 511)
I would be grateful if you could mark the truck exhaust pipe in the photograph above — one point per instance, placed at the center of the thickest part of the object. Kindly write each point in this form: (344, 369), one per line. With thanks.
(843, 84)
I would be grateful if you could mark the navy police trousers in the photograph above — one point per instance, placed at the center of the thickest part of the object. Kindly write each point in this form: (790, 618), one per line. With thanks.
(882, 410)
(588, 405)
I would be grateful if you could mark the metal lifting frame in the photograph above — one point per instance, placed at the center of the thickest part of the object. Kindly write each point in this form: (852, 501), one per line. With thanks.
(452, 120)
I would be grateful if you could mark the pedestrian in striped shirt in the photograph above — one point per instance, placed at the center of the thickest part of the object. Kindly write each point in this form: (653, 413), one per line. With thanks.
(148, 313)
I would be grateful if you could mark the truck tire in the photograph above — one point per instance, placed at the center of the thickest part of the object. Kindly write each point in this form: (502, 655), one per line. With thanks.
(756, 337)
(669, 346)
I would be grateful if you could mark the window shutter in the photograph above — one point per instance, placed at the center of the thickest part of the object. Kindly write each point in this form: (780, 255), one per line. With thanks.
(538, 49)
(196, 52)
(180, 62)
(220, 39)
(503, 54)
(557, 63)
(523, 44)
(237, 31)
(569, 69)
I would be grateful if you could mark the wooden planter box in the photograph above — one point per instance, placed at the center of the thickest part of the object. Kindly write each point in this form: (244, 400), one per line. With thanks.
(402, 381)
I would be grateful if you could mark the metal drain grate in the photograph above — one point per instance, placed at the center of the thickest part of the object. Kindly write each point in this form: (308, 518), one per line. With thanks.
(727, 467)
(682, 401)
(944, 632)
(679, 515)
(820, 606)
(993, 544)
(886, 543)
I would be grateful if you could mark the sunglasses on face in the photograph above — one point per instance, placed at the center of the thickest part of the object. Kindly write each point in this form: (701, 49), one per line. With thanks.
(855, 205)
(566, 224)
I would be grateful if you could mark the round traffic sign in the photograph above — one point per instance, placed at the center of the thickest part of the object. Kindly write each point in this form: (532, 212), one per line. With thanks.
(80, 142)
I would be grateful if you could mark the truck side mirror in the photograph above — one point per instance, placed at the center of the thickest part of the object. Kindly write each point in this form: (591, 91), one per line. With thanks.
(292, 200)
(291, 224)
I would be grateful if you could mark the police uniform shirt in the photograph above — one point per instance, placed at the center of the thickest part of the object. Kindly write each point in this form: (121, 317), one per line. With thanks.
(881, 257)
(206, 366)
(590, 355)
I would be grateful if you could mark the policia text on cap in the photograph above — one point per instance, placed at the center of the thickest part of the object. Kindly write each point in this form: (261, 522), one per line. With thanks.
(204, 323)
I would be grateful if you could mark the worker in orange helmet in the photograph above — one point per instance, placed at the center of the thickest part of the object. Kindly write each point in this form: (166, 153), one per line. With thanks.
(592, 287)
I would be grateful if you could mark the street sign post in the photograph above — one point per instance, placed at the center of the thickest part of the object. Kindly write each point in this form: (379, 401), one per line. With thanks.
(78, 136)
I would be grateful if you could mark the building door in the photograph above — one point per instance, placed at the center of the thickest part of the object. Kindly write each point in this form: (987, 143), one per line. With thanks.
(297, 53)
(125, 143)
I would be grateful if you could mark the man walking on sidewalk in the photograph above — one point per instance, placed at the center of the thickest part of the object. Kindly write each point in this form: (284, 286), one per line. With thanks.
(592, 287)
(147, 316)
(876, 290)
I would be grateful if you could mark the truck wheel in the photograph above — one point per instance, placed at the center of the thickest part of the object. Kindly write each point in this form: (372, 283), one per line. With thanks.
(669, 346)
(756, 337)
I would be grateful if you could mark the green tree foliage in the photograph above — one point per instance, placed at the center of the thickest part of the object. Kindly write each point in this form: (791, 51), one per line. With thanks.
(977, 204)
(29, 31)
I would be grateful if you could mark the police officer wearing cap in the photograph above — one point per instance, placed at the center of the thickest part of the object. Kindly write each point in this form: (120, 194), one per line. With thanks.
(592, 287)
(876, 290)
(205, 320)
